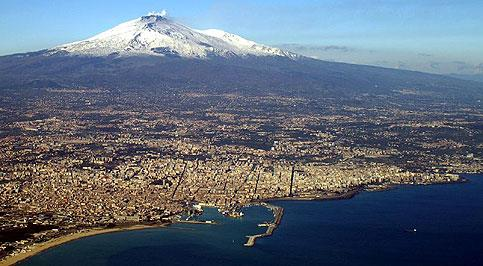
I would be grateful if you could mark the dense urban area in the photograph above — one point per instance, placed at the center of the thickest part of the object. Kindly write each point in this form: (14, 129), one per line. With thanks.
(77, 158)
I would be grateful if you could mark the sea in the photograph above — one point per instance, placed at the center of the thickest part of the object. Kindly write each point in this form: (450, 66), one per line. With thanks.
(407, 225)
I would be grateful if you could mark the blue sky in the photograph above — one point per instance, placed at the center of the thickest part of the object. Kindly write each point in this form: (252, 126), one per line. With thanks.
(430, 35)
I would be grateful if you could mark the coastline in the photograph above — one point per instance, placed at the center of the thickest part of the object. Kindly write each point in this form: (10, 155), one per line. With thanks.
(319, 197)
(349, 194)
(54, 242)
(278, 213)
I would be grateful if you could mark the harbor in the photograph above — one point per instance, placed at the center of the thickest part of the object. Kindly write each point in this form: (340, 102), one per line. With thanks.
(277, 215)
(310, 229)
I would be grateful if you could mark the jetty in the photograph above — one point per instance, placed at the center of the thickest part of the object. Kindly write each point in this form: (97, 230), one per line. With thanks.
(277, 214)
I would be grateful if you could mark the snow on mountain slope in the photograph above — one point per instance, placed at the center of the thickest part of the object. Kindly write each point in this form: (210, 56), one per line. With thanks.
(244, 44)
(155, 34)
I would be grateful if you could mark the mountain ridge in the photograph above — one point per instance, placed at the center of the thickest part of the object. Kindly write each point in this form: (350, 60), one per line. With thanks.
(244, 67)
(158, 35)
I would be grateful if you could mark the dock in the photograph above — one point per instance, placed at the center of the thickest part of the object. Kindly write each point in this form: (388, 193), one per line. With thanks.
(277, 214)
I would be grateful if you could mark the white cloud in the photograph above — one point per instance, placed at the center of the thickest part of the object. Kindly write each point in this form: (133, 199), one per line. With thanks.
(163, 13)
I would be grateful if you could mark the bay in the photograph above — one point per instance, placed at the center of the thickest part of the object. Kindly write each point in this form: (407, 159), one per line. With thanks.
(374, 228)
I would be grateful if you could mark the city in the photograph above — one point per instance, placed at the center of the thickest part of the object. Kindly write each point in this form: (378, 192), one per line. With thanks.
(80, 158)
(241, 133)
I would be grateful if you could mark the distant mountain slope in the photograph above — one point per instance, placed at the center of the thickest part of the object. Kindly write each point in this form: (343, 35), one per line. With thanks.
(155, 52)
(475, 77)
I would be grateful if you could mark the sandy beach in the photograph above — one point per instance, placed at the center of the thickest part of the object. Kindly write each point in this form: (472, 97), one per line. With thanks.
(37, 248)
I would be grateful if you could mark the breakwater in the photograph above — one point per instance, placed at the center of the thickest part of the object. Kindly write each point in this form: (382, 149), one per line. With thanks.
(277, 218)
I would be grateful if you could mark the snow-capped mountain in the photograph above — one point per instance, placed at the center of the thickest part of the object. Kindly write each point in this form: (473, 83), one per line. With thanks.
(155, 53)
(155, 34)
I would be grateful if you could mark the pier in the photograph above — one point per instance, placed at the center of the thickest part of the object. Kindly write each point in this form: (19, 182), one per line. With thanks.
(277, 214)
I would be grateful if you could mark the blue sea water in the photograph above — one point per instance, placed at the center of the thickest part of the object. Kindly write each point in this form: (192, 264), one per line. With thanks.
(374, 228)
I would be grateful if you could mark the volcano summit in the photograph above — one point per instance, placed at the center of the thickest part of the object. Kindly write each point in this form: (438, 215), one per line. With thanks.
(138, 125)
(155, 52)
(157, 35)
